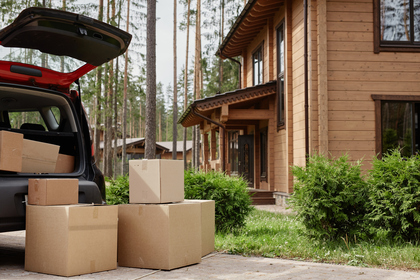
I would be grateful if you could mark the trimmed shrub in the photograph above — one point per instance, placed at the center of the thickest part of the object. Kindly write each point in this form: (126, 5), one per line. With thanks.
(233, 203)
(330, 197)
(117, 190)
(394, 194)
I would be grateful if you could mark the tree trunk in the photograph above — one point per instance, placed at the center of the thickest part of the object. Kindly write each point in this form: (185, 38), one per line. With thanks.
(160, 125)
(124, 121)
(115, 129)
(184, 151)
(197, 83)
(108, 111)
(222, 26)
(140, 124)
(175, 101)
(150, 141)
(98, 111)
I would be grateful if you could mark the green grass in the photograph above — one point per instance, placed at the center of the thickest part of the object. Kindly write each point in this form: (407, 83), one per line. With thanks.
(275, 235)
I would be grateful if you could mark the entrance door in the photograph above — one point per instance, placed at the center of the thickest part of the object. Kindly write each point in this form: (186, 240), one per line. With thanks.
(246, 158)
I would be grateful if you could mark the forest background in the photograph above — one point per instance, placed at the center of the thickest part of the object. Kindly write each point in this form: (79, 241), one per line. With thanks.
(115, 93)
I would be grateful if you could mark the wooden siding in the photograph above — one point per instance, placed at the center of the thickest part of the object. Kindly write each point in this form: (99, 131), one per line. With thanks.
(355, 72)
(298, 84)
(282, 155)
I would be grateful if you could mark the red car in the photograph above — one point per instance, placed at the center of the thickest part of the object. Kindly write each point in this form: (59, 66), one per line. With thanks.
(38, 102)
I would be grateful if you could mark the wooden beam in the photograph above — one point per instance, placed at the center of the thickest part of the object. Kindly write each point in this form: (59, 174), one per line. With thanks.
(250, 114)
(224, 116)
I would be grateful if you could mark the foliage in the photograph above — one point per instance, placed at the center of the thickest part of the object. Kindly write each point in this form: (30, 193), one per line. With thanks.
(394, 195)
(233, 203)
(329, 197)
(117, 190)
(277, 235)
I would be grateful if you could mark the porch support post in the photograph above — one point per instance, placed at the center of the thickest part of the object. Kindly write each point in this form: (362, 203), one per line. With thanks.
(206, 152)
(213, 144)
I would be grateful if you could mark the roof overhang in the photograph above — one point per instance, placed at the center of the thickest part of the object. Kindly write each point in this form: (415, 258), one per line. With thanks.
(207, 105)
(249, 23)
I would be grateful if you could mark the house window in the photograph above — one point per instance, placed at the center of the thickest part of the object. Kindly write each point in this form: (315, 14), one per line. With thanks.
(233, 151)
(263, 154)
(397, 125)
(280, 76)
(397, 25)
(257, 62)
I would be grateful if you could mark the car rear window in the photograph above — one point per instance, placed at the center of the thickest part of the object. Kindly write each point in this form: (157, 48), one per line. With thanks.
(63, 64)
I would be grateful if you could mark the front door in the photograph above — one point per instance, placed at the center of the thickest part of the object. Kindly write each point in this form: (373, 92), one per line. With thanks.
(246, 158)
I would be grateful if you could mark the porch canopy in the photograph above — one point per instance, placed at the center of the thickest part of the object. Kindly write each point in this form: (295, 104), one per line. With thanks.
(239, 109)
(249, 23)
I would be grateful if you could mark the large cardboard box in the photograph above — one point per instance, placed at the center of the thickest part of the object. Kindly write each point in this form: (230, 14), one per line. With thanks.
(39, 157)
(71, 240)
(11, 151)
(64, 164)
(53, 191)
(159, 236)
(207, 224)
(156, 181)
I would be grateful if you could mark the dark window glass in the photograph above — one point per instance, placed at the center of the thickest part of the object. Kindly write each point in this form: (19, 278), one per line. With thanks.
(280, 76)
(399, 23)
(233, 151)
(257, 59)
(400, 127)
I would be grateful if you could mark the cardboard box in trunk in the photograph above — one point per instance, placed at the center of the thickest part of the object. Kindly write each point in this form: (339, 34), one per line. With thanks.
(11, 151)
(156, 181)
(207, 224)
(71, 240)
(64, 164)
(159, 236)
(39, 157)
(53, 191)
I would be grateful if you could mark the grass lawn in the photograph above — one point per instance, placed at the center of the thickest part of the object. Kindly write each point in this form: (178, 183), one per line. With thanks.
(275, 235)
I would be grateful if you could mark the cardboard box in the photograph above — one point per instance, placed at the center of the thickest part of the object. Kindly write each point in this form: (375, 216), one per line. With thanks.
(53, 191)
(11, 151)
(208, 226)
(64, 164)
(156, 181)
(39, 157)
(159, 236)
(71, 240)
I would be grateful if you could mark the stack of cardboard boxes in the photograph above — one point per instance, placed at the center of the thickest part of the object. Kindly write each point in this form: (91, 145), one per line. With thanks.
(28, 156)
(158, 229)
(65, 238)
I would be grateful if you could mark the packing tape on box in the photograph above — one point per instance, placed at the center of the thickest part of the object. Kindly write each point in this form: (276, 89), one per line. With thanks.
(93, 227)
(144, 164)
(95, 212)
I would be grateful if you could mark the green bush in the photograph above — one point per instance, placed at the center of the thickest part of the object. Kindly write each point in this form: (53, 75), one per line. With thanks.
(233, 203)
(330, 197)
(394, 194)
(117, 190)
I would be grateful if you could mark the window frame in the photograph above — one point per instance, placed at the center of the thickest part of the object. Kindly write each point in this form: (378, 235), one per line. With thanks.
(280, 75)
(378, 98)
(390, 46)
(260, 49)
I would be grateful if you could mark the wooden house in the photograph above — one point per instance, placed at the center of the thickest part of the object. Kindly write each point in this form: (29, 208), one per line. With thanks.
(179, 149)
(333, 76)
